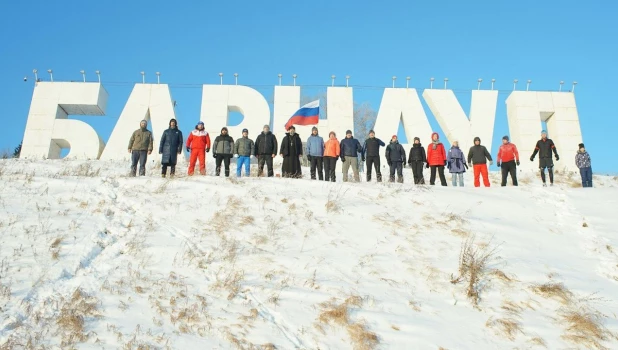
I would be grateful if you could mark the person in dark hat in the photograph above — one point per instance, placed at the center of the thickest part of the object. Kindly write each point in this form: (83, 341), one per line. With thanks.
(584, 163)
(244, 149)
(396, 159)
(223, 150)
(291, 151)
(508, 160)
(170, 147)
(198, 143)
(544, 147)
(349, 149)
(477, 158)
(371, 154)
(140, 146)
(417, 160)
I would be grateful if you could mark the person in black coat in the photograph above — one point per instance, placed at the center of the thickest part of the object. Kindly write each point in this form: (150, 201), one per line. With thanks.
(544, 147)
(371, 153)
(266, 150)
(396, 159)
(170, 147)
(291, 151)
(417, 160)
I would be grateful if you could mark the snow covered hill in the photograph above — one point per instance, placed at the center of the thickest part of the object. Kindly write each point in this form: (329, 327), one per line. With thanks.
(93, 259)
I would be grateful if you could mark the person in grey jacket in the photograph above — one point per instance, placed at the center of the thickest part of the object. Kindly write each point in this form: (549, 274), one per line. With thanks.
(223, 150)
(315, 153)
(243, 149)
(584, 163)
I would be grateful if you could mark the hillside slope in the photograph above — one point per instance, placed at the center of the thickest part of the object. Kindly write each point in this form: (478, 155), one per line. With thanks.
(94, 258)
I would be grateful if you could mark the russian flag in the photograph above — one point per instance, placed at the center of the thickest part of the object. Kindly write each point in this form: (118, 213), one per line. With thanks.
(308, 114)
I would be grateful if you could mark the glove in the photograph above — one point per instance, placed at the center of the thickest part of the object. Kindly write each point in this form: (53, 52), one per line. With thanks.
(188, 149)
(363, 159)
(160, 152)
(517, 163)
(499, 164)
(404, 164)
(207, 150)
(532, 159)
(427, 165)
(214, 155)
(342, 158)
(448, 164)
(557, 157)
(491, 162)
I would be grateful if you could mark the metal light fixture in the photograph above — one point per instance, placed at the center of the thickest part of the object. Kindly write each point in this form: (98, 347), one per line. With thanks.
(394, 78)
(279, 75)
(445, 81)
(332, 80)
(143, 77)
(492, 83)
(158, 77)
(98, 73)
(574, 83)
(294, 78)
(515, 84)
(479, 85)
(431, 82)
(83, 74)
(236, 78)
(36, 75)
(51, 75)
(221, 78)
(347, 79)
(528, 84)
(407, 82)
(561, 83)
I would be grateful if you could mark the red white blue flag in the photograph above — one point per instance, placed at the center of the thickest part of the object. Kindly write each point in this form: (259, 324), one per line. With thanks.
(308, 114)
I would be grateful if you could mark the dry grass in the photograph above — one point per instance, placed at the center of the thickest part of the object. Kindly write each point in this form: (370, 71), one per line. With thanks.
(499, 274)
(552, 290)
(507, 327)
(473, 260)
(73, 314)
(585, 327)
(511, 308)
(332, 313)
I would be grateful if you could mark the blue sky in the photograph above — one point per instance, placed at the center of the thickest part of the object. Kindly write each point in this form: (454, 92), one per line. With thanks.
(191, 42)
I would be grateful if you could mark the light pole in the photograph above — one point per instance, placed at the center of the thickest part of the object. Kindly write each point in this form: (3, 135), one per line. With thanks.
(515, 84)
(98, 73)
(574, 83)
(479, 85)
(528, 85)
(83, 74)
(492, 83)
(561, 83)
(51, 75)
(394, 78)
(158, 77)
(332, 80)
(431, 82)
(36, 75)
(279, 75)
(294, 78)
(445, 81)
(236, 78)
(220, 78)
(143, 77)
(347, 79)
(407, 82)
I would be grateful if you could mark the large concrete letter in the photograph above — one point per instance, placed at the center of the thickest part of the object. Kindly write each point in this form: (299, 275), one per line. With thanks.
(152, 102)
(218, 100)
(453, 119)
(403, 105)
(48, 129)
(527, 109)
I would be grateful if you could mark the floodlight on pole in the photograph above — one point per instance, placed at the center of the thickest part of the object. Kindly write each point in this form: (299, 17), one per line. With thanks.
(36, 75)
(347, 79)
(492, 83)
(158, 77)
(431, 82)
(221, 78)
(332, 80)
(236, 78)
(98, 73)
(51, 75)
(294, 79)
(561, 83)
(394, 78)
(407, 82)
(279, 75)
(574, 83)
(515, 84)
(528, 84)
(83, 74)
(479, 85)
(143, 77)
(445, 81)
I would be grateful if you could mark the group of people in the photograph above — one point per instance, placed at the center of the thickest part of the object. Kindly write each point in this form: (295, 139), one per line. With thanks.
(323, 155)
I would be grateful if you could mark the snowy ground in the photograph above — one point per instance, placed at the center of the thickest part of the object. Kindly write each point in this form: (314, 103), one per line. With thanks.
(93, 259)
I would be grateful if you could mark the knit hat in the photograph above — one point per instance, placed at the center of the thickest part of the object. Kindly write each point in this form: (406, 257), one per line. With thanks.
(314, 128)
(581, 145)
(371, 131)
(332, 133)
(417, 139)
(223, 128)
(543, 132)
(292, 127)
(266, 126)
(348, 132)
(505, 137)
(477, 139)
(144, 121)
(245, 131)
(173, 120)
(394, 137)
(200, 123)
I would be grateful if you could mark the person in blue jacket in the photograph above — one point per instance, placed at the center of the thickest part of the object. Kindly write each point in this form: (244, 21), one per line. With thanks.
(456, 164)
(315, 153)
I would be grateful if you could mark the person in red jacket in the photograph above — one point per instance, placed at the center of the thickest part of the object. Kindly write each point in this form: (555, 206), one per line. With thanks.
(508, 160)
(198, 144)
(436, 159)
